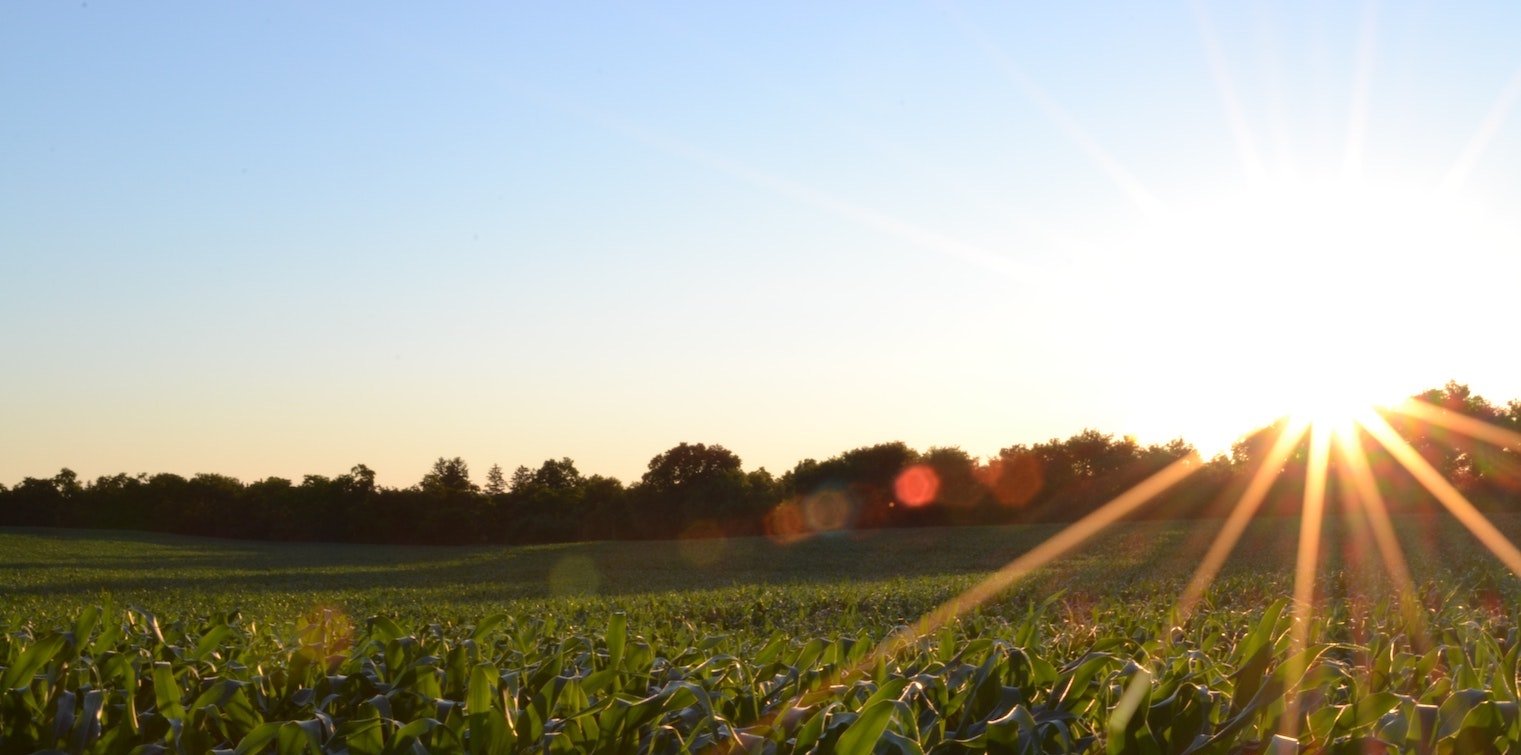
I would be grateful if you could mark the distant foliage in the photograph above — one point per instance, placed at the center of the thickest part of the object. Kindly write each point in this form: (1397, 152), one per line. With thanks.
(697, 490)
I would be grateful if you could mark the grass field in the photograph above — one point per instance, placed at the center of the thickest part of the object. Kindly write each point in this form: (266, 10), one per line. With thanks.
(52, 573)
(660, 646)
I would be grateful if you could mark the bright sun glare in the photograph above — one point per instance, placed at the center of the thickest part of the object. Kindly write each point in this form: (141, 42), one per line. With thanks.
(1304, 298)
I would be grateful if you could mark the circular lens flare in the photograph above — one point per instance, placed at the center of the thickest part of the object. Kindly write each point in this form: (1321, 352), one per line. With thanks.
(917, 485)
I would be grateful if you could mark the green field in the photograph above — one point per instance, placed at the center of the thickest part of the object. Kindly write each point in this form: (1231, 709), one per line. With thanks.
(118, 640)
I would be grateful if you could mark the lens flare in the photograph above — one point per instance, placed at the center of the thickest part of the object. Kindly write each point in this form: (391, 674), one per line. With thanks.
(1013, 479)
(784, 523)
(326, 635)
(828, 510)
(574, 575)
(703, 543)
(917, 485)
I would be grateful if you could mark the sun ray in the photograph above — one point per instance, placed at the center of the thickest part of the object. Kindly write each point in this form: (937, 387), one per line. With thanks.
(1240, 516)
(1305, 565)
(851, 212)
(1282, 155)
(1123, 178)
(894, 152)
(860, 215)
(1062, 240)
(1473, 428)
(1357, 120)
(1359, 481)
(1445, 493)
(1461, 168)
(1235, 116)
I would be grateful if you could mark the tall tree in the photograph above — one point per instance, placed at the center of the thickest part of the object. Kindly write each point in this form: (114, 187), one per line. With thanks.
(522, 479)
(496, 482)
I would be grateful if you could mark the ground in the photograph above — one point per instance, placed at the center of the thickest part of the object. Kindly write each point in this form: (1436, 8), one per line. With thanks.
(660, 646)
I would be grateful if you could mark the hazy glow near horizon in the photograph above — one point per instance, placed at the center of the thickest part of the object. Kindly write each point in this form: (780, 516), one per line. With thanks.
(283, 239)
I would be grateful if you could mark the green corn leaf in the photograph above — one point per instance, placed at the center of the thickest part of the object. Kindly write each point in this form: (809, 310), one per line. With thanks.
(617, 636)
(483, 688)
(36, 657)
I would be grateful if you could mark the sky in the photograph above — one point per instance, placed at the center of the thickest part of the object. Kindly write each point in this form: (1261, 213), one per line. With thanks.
(280, 239)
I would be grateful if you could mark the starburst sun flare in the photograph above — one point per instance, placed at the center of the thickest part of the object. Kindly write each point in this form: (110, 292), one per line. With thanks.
(1316, 299)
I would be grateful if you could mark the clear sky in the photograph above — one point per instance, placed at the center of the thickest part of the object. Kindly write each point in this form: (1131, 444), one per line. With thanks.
(283, 238)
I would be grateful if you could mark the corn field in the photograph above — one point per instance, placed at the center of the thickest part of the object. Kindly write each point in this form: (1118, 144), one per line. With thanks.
(1124, 680)
(334, 654)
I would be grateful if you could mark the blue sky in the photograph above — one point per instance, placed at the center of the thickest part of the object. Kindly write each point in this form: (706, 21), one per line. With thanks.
(280, 239)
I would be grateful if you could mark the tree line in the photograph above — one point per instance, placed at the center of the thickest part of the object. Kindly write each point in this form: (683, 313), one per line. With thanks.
(702, 490)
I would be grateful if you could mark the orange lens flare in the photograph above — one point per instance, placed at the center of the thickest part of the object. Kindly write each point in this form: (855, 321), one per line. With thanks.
(1013, 479)
(827, 510)
(784, 524)
(917, 485)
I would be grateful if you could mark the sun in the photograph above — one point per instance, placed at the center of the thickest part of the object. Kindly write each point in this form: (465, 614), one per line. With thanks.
(1313, 298)
(1335, 410)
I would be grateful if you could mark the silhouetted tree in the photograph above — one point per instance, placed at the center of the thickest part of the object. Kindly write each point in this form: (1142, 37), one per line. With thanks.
(115, 502)
(360, 480)
(605, 505)
(693, 483)
(865, 476)
(522, 477)
(557, 475)
(547, 504)
(496, 483)
(448, 476)
(1013, 478)
(960, 497)
(34, 502)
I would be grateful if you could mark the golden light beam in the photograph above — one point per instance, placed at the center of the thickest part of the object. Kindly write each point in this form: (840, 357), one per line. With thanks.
(1473, 428)
(1444, 491)
(1311, 519)
(1240, 517)
(1358, 478)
